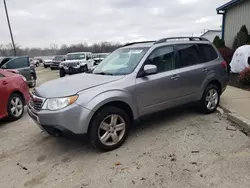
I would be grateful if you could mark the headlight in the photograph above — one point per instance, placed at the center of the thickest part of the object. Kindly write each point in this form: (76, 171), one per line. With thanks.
(82, 63)
(59, 103)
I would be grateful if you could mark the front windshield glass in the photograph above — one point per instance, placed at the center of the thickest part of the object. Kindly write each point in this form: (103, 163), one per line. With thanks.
(58, 58)
(103, 55)
(75, 56)
(121, 62)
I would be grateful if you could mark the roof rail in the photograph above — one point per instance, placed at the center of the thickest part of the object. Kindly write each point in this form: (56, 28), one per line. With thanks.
(141, 42)
(179, 38)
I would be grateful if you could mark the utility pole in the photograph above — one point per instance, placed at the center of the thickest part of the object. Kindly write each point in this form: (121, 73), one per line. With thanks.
(8, 20)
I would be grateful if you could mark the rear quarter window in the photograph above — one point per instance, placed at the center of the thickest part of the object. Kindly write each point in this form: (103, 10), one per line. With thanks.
(208, 52)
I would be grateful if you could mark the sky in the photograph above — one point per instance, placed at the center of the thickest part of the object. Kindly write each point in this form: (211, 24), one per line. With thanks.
(41, 23)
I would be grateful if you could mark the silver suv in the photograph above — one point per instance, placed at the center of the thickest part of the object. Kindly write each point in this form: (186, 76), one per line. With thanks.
(135, 80)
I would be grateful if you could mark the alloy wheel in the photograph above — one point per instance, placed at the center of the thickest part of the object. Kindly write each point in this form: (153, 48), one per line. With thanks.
(16, 106)
(111, 130)
(212, 99)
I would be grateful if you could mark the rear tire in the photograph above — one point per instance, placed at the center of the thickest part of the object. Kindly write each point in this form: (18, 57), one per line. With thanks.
(15, 107)
(116, 132)
(210, 99)
(61, 73)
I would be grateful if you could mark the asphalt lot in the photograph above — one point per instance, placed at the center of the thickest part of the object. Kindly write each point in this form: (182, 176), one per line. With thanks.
(176, 148)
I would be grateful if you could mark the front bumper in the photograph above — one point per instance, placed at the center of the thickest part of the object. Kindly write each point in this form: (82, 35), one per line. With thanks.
(54, 66)
(25, 91)
(74, 70)
(73, 118)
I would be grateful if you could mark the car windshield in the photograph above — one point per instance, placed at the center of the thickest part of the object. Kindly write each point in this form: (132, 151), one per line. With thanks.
(58, 58)
(75, 56)
(121, 62)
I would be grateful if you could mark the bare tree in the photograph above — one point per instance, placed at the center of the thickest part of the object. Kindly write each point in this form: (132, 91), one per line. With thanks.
(6, 50)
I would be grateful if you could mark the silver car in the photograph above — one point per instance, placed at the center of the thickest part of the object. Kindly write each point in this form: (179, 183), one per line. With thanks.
(135, 80)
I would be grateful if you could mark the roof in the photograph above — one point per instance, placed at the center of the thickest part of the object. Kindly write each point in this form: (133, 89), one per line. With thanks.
(228, 5)
(216, 31)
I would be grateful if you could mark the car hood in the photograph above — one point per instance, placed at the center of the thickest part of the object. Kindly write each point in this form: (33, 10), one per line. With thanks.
(71, 85)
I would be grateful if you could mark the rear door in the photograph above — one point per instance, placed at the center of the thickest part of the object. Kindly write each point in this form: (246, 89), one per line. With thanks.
(3, 94)
(191, 70)
(22, 65)
(210, 59)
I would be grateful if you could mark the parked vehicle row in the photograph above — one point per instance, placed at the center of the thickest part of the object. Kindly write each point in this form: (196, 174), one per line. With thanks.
(137, 79)
(73, 63)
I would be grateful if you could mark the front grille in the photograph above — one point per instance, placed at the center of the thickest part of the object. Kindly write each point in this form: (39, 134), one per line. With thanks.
(55, 63)
(36, 102)
(72, 64)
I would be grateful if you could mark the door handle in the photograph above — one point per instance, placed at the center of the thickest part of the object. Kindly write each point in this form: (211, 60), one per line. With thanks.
(204, 70)
(175, 77)
(5, 83)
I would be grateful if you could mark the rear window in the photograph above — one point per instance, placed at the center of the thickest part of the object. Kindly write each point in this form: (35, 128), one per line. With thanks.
(207, 52)
(188, 55)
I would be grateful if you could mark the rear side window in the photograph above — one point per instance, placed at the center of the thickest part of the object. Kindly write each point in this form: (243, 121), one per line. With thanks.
(20, 62)
(207, 52)
(188, 55)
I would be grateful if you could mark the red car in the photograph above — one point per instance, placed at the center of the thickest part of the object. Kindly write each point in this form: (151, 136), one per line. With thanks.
(14, 94)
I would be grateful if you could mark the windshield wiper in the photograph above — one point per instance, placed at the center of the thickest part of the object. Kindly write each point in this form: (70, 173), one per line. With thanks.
(104, 73)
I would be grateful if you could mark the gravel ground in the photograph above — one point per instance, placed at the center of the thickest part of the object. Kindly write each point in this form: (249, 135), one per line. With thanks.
(175, 148)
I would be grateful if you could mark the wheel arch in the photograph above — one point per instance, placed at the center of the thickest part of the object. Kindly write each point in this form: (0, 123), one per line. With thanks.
(210, 79)
(116, 103)
(19, 93)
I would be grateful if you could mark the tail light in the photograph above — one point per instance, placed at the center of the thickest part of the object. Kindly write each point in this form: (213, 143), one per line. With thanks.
(224, 65)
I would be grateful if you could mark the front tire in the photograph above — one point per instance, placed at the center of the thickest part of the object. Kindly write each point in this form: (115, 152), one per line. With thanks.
(109, 128)
(45, 66)
(210, 99)
(15, 107)
(61, 73)
(33, 81)
(84, 68)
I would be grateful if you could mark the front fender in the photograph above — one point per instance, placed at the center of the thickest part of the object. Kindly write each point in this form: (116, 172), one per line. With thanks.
(103, 98)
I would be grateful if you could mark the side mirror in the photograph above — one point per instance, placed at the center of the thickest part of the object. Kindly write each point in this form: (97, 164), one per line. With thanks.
(149, 69)
(4, 66)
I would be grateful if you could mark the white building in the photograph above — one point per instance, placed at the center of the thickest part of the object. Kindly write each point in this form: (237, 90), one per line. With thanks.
(211, 34)
(236, 13)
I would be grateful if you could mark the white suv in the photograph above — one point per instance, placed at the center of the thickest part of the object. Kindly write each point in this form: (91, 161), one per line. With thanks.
(77, 62)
